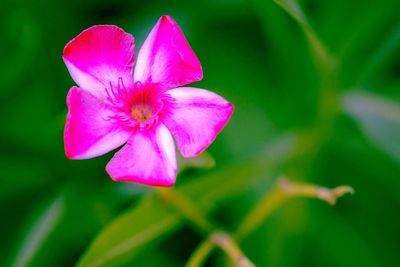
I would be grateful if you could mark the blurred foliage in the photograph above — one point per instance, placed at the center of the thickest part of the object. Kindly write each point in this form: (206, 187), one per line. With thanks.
(316, 88)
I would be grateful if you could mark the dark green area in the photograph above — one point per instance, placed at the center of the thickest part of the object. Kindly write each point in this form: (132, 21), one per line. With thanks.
(330, 119)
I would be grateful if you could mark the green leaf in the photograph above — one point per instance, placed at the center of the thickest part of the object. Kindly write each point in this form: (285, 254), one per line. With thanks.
(127, 234)
(379, 118)
(151, 220)
(210, 190)
(52, 227)
(45, 223)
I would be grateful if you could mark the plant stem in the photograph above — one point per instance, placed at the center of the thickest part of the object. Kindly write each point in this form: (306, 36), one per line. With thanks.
(226, 243)
(322, 56)
(283, 191)
(187, 208)
(201, 253)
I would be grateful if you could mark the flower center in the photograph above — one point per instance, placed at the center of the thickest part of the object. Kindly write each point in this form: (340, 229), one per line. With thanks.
(145, 105)
(137, 108)
(141, 112)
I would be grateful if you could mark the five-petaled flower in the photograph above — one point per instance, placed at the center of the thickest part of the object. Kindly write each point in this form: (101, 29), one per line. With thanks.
(111, 108)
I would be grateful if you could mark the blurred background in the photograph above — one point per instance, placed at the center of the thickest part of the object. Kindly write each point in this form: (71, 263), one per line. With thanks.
(316, 89)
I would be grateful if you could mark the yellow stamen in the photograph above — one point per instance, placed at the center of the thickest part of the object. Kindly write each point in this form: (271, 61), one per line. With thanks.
(141, 112)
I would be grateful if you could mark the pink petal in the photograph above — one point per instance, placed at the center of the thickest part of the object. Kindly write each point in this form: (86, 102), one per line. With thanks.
(195, 118)
(148, 158)
(166, 57)
(98, 56)
(89, 132)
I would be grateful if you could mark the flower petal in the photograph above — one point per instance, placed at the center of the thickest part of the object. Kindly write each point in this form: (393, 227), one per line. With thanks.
(98, 56)
(88, 132)
(166, 57)
(148, 158)
(195, 117)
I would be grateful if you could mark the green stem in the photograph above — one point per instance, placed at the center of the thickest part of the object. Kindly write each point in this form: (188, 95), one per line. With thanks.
(283, 191)
(260, 212)
(321, 54)
(187, 208)
(201, 253)
(226, 243)
(328, 103)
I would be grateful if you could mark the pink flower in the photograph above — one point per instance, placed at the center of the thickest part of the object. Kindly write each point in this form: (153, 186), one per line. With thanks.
(111, 108)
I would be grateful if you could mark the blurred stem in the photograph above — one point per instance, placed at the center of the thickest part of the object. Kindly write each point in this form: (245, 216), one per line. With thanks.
(201, 253)
(321, 54)
(283, 191)
(328, 107)
(384, 51)
(187, 208)
(325, 61)
(226, 243)
(312, 139)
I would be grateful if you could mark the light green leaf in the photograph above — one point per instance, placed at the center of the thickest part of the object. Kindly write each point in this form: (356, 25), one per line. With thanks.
(379, 118)
(69, 220)
(152, 220)
(126, 235)
(45, 224)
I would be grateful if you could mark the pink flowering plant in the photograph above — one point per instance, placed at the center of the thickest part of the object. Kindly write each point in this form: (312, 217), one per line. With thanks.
(144, 109)
(315, 88)
(143, 112)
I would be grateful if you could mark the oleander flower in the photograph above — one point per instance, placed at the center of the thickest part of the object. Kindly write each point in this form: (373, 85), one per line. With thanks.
(111, 108)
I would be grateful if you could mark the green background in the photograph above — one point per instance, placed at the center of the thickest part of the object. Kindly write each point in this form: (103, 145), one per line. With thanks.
(316, 93)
